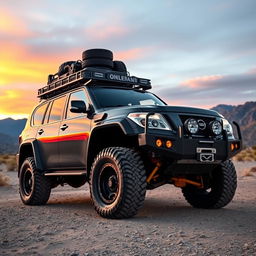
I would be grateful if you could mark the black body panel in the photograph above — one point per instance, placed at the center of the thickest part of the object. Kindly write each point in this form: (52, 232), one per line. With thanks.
(67, 144)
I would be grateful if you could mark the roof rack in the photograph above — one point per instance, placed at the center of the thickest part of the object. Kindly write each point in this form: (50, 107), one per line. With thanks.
(93, 74)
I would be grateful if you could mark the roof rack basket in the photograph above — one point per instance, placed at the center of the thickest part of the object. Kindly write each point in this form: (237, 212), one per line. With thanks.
(64, 83)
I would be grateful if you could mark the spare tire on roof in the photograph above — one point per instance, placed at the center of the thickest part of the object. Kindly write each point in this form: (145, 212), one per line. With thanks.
(105, 63)
(119, 66)
(97, 54)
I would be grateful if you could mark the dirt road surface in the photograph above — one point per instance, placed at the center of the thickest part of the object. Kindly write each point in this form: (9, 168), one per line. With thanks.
(166, 225)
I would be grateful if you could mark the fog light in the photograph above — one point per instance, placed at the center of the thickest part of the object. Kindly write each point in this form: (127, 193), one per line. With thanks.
(159, 143)
(216, 127)
(168, 144)
(191, 125)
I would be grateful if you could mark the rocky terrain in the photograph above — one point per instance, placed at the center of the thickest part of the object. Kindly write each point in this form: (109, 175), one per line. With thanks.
(166, 225)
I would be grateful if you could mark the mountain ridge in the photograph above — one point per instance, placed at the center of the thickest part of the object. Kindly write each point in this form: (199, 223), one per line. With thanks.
(245, 116)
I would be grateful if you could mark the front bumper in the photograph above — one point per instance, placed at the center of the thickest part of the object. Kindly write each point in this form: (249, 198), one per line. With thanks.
(191, 150)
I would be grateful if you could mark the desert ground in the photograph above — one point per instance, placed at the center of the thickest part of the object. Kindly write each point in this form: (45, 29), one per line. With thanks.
(166, 225)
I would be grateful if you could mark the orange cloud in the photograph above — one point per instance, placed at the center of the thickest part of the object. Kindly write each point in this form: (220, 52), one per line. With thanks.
(200, 81)
(19, 65)
(252, 71)
(11, 25)
(17, 102)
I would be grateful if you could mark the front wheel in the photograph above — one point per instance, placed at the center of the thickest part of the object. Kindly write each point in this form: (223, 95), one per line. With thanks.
(34, 188)
(219, 192)
(117, 182)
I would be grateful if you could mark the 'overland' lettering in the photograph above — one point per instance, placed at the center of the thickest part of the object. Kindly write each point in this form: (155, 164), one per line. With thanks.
(123, 78)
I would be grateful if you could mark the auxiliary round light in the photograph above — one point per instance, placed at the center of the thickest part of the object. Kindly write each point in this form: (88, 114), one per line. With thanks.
(168, 144)
(159, 143)
(216, 127)
(191, 125)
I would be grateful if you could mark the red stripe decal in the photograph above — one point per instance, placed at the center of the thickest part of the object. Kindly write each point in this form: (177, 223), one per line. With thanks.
(69, 137)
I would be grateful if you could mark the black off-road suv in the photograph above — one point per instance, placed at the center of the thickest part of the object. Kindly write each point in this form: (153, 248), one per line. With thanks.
(97, 123)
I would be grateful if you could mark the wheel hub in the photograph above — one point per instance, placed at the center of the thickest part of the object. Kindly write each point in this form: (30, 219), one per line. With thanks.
(27, 182)
(108, 184)
(112, 183)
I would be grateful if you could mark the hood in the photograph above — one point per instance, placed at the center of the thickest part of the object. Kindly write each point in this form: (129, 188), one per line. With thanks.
(160, 109)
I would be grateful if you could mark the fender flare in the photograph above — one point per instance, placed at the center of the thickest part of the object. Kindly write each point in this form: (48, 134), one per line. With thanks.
(122, 124)
(35, 149)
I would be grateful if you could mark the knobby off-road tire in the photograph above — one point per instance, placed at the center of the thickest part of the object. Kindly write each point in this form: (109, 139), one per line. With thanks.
(119, 66)
(222, 189)
(34, 188)
(98, 63)
(97, 54)
(117, 183)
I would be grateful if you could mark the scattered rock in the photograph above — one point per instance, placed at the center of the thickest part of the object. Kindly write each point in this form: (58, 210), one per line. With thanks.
(74, 254)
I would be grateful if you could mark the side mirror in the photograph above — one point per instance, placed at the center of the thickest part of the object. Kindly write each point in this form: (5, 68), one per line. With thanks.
(78, 106)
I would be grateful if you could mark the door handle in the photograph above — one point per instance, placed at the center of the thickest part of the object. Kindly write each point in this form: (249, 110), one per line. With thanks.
(64, 127)
(41, 131)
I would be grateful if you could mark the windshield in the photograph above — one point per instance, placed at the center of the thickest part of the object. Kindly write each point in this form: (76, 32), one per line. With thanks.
(106, 97)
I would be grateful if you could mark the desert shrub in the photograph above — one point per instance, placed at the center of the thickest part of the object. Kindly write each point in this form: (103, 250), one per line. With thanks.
(253, 169)
(4, 180)
(9, 161)
(249, 172)
(248, 154)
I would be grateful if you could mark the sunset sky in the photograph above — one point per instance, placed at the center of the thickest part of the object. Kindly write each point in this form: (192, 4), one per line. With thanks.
(197, 53)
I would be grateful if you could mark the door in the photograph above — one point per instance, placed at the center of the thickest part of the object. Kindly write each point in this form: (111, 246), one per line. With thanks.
(73, 135)
(47, 134)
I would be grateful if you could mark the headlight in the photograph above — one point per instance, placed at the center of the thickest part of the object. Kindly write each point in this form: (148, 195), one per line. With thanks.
(228, 128)
(191, 125)
(156, 121)
(216, 127)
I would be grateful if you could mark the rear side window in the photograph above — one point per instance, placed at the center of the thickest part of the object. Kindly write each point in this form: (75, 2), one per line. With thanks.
(39, 114)
(57, 109)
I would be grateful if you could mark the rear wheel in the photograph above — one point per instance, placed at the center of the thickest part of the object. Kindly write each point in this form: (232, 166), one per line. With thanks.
(219, 192)
(34, 188)
(117, 183)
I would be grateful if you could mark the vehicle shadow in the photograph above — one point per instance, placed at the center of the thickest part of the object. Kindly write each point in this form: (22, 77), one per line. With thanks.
(161, 211)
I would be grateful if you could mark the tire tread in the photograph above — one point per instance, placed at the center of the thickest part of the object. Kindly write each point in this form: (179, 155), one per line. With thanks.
(223, 195)
(42, 186)
(134, 178)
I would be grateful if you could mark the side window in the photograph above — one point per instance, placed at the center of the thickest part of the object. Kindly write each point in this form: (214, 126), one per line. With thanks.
(57, 109)
(39, 114)
(80, 95)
